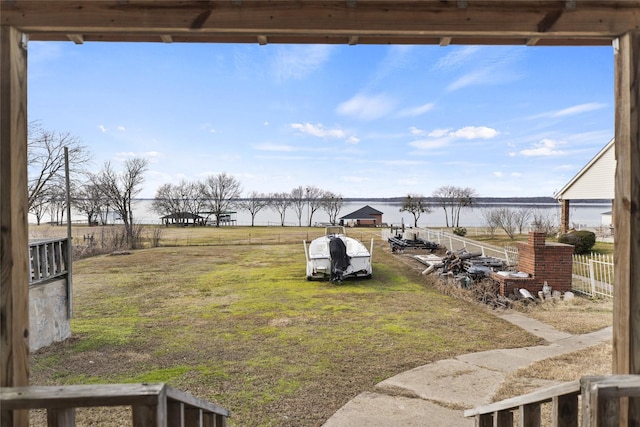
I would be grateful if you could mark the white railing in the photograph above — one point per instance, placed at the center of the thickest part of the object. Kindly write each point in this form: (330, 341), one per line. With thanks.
(48, 259)
(593, 274)
(454, 242)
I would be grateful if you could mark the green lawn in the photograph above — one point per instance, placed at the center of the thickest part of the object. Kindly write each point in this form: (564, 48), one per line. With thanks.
(241, 326)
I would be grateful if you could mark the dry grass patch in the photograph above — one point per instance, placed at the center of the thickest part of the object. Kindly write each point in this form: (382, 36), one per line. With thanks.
(580, 315)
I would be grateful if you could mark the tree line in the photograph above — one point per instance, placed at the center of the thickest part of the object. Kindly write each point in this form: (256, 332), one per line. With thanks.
(97, 195)
(219, 194)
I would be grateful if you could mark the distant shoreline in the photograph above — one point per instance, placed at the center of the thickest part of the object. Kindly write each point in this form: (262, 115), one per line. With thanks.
(477, 201)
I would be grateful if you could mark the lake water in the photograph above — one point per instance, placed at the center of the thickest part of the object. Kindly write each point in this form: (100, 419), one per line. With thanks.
(586, 214)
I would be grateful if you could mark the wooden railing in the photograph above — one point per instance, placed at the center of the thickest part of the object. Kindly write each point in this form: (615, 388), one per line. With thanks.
(48, 259)
(153, 405)
(600, 403)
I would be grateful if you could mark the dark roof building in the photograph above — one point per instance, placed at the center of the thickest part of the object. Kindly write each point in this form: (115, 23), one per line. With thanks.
(182, 218)
(363, 217)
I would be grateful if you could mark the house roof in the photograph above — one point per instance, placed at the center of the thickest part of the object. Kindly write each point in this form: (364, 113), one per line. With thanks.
(596, 180)
(363, 213)
(182, 215)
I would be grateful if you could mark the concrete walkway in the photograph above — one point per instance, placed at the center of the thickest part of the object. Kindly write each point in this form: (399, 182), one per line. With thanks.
(438, 393)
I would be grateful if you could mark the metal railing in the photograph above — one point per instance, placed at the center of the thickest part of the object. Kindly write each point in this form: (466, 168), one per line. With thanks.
(454, 242)
(600, 403)
(153, 405)
(48, 259)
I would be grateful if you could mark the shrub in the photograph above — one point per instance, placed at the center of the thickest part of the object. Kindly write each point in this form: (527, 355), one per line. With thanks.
(460, 231)
(583, 241)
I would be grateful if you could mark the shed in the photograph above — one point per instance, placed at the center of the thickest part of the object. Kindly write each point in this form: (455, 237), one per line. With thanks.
(182, 218)
(595, 181)
(363, 217)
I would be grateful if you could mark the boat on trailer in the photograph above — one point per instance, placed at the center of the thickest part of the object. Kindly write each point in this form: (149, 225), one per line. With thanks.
(337, 257)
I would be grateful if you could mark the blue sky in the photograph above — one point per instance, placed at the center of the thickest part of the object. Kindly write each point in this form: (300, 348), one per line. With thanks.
(361, 121)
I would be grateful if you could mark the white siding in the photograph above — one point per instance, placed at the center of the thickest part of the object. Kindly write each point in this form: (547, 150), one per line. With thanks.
(595, 181)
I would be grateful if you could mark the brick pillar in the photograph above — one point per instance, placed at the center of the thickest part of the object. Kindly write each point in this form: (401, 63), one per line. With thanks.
(564, 216)
(537, 238)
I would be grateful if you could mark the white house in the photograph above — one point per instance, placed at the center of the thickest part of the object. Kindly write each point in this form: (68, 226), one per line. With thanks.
(595, 181)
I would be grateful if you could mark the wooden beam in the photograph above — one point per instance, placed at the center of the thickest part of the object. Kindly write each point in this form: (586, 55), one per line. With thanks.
(445, 41)
(262, 40)
(533, 41)
(14, 278)
(353, 40)
(166, 38)
(76, 38)
(420, 21)
(626, 216)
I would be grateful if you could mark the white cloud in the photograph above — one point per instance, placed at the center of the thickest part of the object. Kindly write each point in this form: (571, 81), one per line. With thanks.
(498, 174)
(457, 57)
(318, 130)
(438, 133)
(102, 128)
(121, 128)
(353, 140)
(578, 109)
(365, 107)
(298, 61)
(415, 131)
(428, 144)
(475, 132)
(544, 148)
(516, 174)
(486, 65)
(444, 137)
(416, 111)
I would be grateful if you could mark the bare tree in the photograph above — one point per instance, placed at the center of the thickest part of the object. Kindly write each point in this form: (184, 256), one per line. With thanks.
(254, 203)
(505, 218)
(332, 204)
(57, 203)
(297, 200)
(490, 221)
(522, 217)
(222, 192)
(46, 160)
(314, 200)
(280, 202)
(39, 206)
(452, 199)
(89, 200)
(416, 205)
(121, 188)
(544, 222)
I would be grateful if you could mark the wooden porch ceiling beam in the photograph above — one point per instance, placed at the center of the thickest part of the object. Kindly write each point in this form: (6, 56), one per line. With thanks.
(562, 21)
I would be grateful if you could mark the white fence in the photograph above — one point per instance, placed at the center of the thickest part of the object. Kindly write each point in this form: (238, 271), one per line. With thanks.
(593, 274)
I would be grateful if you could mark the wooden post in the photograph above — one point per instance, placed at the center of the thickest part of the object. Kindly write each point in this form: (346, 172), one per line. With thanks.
(14, 249)
(564, 216)
(626, 215)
